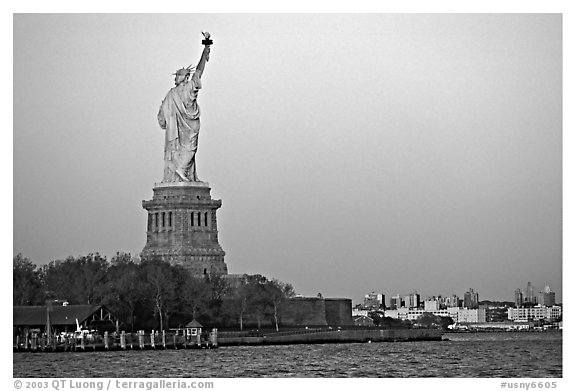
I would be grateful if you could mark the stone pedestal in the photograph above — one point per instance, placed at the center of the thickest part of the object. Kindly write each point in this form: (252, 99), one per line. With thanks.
(182, 228)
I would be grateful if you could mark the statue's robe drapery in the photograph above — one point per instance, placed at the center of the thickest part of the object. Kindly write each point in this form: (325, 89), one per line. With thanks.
(179, 115)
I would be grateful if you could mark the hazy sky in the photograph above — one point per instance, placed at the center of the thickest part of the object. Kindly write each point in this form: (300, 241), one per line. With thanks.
(352, 153)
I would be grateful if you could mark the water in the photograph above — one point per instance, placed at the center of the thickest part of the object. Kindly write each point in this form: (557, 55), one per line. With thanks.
(526, 355)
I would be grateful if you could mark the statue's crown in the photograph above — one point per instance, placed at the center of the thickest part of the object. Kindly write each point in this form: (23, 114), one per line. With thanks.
(182, 71)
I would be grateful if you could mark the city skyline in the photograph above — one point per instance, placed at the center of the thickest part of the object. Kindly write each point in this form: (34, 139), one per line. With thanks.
(390, 295)
(416, 170)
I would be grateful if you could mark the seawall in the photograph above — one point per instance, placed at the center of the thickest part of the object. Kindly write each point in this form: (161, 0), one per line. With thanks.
(330, 336)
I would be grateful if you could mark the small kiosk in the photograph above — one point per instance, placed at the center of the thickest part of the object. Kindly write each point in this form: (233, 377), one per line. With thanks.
(193, 331)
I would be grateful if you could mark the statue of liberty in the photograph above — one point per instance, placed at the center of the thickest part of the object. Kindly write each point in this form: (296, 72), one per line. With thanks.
(179, 115)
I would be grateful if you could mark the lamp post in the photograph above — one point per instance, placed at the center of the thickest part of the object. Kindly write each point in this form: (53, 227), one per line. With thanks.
(49, 303)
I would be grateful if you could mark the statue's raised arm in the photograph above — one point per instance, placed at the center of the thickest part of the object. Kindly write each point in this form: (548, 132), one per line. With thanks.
(205, 53)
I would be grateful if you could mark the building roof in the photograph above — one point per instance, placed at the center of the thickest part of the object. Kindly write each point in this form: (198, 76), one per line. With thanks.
(363, 320)
(194, 324)
(60, 315)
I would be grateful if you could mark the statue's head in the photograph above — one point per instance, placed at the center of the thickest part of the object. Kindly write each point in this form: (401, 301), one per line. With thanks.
(181, 75)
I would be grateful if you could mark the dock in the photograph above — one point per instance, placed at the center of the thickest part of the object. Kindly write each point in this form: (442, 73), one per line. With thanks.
(116, 342)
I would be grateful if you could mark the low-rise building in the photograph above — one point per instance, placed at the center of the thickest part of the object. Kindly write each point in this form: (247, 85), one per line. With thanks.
(534, 313)
(554, 312)
(492, 326)
(471, 315)
(359, 312)
(363, 320)
(495, 314)
(461, 315)
(413, 313)
(62, 318)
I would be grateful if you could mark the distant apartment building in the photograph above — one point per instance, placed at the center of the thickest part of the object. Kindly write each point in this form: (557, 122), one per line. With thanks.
(443, 302)
(412, 300)
(518, 298)
(395, 302)
(547, 298)
(453, 301)
(534, 313)
(530, 297)
(374, 301)
(471, 299)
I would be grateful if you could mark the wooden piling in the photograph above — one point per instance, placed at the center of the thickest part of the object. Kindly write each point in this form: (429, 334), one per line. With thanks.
(214, 338)
(152, 340)
(34, 341)
(141, 339)
(164, 339)
(123, 340)
(106, 346)
(83, 342)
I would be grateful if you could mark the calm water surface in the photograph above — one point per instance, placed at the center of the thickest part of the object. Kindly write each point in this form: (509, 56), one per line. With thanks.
(464, 355)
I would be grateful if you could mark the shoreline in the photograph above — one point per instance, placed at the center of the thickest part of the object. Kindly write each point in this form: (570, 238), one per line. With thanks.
(244, 339)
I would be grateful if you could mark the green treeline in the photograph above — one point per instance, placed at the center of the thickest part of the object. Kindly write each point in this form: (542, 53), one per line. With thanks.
(151, 294)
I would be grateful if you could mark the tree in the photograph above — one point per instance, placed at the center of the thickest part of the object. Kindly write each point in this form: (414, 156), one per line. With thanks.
(95, 274)
(445, 321)
(219, 289)
(125, 289)
(258, 302)
(429, 320)
(378, 317)
(236, 302)
(27, 286)
(179, 277)
(278, 292)
(247, 299)
(80, 281)
(197, 294)
(162, 288)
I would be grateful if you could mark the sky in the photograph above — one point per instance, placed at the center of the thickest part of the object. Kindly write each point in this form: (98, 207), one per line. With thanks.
(352, 152)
